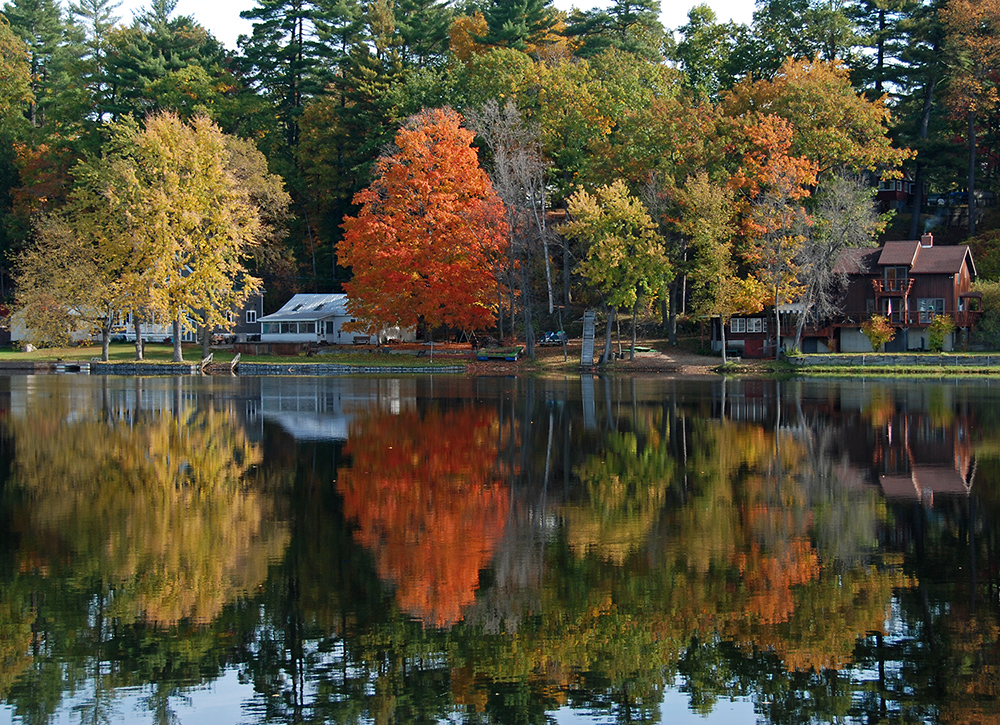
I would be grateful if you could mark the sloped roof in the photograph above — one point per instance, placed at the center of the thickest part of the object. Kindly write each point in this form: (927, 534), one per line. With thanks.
(942, 260)
(899, 253)
(309, 307)
(920, 259)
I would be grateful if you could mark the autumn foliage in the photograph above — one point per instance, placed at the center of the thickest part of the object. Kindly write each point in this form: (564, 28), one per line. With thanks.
(428, 504)
(425, 243)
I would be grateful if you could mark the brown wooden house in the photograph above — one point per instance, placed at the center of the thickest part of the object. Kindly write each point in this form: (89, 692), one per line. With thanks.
(909, 282)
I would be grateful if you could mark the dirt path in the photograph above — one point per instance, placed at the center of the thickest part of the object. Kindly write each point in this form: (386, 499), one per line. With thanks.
(663, 361)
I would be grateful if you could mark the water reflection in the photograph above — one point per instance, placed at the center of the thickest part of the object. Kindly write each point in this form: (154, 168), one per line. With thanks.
(495, 550)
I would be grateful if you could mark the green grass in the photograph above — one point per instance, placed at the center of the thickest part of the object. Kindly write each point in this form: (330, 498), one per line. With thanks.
(159, 352)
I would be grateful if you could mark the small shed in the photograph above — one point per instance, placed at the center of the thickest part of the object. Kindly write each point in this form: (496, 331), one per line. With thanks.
(319, 318)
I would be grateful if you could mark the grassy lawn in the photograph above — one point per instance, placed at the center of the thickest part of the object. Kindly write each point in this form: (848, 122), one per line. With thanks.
(158, 352)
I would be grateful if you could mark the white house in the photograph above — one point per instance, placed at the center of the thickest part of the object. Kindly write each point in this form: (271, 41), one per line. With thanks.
(319, 318)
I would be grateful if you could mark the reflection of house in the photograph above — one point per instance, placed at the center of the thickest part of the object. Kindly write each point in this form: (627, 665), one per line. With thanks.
(315, 318)
(322, 409)
(909, 282)
(923, 482)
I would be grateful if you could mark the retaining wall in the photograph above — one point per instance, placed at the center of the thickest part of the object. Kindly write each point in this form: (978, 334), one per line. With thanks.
(29, 367)
(250, 368)
(895, 360)
(143, 368)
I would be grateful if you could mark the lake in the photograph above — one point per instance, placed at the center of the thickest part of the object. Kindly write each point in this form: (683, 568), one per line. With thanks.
(435, 549)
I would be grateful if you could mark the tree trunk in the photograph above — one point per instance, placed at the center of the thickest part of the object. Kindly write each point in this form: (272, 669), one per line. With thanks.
(880, 53)
(138, 336)
(606, 355)
(618, 329)
(777, 325)
(722, 337)
(918, 181)
(499, 312)
(566, 295)
(529, 324)
(178, 353)
(972, 174)
(206, 341)
(105, 340)
(672, 319)
(631, 352)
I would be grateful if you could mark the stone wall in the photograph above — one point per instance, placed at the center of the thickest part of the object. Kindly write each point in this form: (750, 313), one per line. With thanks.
(249, 368)
(143, 368)
(895, 360)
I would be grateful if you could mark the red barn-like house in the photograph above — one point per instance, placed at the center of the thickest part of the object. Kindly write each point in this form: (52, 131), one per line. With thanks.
(910, 282)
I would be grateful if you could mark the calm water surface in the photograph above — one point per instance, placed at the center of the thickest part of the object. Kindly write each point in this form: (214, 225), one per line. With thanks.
(492, 550)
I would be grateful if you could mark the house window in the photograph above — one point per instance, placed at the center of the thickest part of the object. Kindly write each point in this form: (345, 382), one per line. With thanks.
(895, 279)
(251, 316)
(738, 324)
(289, 328)
(271, 328)
(307, 327)
(929, 307)
(755, 324)
(330, 327)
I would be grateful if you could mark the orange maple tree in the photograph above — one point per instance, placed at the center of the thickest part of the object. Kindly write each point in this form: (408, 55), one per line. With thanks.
(425, 245)
(429, 504)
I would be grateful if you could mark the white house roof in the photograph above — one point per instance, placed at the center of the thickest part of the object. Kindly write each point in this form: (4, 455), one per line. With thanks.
(308, 308)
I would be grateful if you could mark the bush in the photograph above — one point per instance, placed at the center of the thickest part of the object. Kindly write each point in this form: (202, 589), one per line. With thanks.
(987, 332)
(878, 331)
(941, 326)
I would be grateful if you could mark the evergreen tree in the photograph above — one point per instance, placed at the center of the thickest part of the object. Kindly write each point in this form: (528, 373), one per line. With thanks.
(423, 27)
(630, 25)
(40, 24)
(798, 29)
(517, 24)
(286, 61)
(97, 19)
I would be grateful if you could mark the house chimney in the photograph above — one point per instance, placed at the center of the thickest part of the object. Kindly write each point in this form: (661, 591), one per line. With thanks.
(927, 240)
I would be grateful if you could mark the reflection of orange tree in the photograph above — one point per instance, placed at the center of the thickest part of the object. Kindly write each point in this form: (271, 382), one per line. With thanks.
(787, 596)
(739, 564)
(428, 502)
(159, 508)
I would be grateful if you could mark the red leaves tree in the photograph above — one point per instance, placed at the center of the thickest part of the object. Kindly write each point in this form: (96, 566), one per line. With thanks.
(428, 503)
(425, 244)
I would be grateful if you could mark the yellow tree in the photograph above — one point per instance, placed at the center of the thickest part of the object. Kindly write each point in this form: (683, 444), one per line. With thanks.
(835, 127)
(625, 255)
(15, 75)
(187, 216)
(708, 223)
(66, 284)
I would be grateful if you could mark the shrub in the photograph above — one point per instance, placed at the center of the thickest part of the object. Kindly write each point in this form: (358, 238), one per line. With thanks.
(878, 331)
(941, 326)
